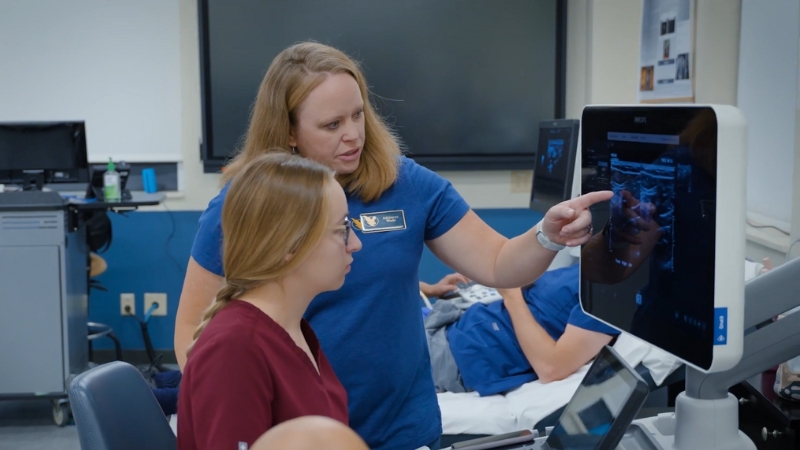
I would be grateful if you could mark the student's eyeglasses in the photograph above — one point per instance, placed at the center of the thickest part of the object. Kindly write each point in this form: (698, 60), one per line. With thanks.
(345, 230)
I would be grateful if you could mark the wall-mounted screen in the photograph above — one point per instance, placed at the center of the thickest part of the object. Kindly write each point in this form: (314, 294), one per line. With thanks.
(464, 84)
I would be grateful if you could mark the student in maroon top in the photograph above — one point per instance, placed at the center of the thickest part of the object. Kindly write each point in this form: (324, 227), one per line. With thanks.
(255, 362)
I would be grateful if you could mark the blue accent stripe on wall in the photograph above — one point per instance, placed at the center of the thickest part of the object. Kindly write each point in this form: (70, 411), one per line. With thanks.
(150, 251)
(508, 222)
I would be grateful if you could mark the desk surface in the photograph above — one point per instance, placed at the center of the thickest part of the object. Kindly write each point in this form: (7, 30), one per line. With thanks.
(50, 200)
(761, 386)
(137, 199)
(30, 201)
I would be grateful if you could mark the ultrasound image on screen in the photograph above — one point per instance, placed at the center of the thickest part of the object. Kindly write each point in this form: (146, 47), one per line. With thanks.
(552, 178)
(643, 195)
(550, 160)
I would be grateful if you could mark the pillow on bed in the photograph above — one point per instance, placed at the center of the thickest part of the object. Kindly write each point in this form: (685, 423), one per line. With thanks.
(522, 408)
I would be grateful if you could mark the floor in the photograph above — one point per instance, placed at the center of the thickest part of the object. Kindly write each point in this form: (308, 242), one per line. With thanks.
(28, 424)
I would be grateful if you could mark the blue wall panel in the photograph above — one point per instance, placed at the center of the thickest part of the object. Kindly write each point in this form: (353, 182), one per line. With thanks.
(148, 253)
(150, 250)
(508, 222)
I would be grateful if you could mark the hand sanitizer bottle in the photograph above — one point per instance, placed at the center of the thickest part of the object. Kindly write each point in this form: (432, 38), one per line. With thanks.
(111, 190)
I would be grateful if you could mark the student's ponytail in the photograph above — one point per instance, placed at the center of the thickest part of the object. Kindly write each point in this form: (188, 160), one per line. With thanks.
(224, 296)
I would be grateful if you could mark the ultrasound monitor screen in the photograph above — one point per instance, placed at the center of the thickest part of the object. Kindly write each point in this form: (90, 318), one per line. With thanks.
(598, 402)
(649, 269)
(555, 164)
(42, 146)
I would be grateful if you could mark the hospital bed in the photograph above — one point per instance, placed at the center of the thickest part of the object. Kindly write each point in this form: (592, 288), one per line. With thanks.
(465, 415)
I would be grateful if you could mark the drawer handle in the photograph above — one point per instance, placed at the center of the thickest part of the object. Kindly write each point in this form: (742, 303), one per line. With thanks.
(765, 434)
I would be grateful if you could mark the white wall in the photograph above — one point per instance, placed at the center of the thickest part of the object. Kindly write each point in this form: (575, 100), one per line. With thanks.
(113, 64)
(614, 50)
(716, 51)
(769, 96)
(197, 188)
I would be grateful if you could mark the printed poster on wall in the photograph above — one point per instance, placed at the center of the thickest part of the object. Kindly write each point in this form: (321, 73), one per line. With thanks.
(665, 62)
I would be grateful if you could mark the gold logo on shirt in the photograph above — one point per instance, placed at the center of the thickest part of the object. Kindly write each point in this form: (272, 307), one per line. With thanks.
(371, 220)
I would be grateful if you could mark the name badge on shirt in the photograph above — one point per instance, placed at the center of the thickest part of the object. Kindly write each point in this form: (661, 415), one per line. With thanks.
(382, 221)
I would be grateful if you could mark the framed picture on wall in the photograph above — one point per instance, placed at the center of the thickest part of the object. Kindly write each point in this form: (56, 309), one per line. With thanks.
(667, 48)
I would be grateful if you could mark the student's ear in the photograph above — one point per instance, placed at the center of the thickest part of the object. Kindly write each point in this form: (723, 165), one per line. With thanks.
(292, 139)
(288, 257)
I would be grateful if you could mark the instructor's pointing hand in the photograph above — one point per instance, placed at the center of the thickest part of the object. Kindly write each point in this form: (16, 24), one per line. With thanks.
(570, 222)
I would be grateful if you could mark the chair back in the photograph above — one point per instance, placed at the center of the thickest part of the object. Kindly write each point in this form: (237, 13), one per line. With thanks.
(114, 409)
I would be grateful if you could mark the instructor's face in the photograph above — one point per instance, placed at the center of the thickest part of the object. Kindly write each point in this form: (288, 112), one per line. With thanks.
(330, 124)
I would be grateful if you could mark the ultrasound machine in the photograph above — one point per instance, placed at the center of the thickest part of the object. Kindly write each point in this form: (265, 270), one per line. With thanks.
(665, 266)
(555, 163)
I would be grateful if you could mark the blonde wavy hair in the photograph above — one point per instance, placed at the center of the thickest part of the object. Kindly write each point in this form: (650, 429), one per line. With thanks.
(275, 206)
(293, 74)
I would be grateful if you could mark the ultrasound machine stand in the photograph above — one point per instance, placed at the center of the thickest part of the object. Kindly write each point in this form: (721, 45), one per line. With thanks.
(707, 416)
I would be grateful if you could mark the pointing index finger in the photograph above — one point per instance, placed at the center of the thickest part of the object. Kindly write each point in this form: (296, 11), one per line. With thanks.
(587, 200)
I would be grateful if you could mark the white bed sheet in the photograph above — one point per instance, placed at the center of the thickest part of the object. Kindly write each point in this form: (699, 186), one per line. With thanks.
(522, 408)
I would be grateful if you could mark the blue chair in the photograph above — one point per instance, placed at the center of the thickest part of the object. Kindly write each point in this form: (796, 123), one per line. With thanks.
(114, 409)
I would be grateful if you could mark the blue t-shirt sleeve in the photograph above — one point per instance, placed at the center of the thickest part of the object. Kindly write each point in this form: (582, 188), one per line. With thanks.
(445, 206)
(207, 246)
(580, 319)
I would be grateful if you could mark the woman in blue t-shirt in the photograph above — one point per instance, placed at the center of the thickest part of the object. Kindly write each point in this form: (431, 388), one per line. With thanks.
(314, 102)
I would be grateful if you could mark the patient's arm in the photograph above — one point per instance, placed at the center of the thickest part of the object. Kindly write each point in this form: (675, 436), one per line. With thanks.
(551, 360)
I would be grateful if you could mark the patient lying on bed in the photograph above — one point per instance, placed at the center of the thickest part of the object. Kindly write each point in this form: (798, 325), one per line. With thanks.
(537, 332)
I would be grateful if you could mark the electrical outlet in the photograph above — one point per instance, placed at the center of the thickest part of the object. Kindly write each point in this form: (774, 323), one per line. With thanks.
(521, 181)
(128, 300)
(160, 298)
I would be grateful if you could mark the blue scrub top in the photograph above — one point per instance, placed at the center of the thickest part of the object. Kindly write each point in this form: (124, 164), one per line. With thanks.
(370, 329)
(485, 347)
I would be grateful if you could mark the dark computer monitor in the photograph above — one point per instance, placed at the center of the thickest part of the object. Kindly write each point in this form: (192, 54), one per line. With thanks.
(600, 411)
(596, 417)
(555, 163)
(53, 151)
(665, 262)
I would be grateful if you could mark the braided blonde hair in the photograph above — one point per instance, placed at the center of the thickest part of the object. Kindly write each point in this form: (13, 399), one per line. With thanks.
(276, 206)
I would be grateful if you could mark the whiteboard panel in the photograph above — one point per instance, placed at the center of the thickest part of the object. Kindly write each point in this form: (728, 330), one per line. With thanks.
(114, 64)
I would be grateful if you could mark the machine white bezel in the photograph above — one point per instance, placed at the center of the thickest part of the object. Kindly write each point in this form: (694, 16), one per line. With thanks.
(730, 226)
